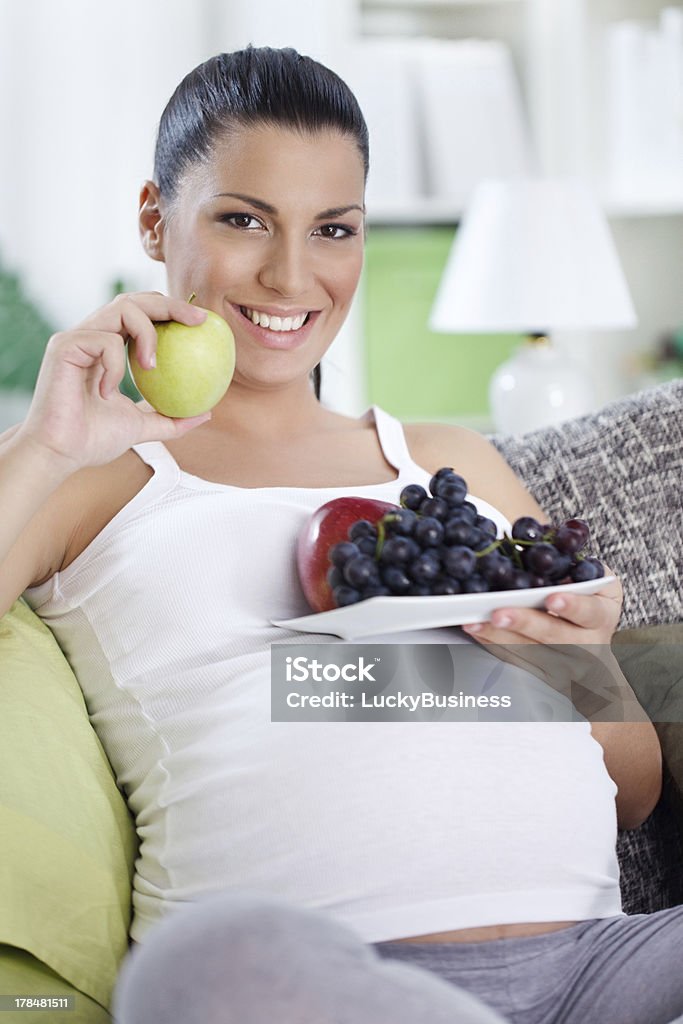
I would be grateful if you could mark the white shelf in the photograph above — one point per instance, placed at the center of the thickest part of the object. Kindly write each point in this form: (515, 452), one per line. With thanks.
(421, 210)
(428, 210)
(643, 207)
(559, 52)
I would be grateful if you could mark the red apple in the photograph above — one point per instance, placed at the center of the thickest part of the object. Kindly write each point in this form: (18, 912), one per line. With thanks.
(326, 527)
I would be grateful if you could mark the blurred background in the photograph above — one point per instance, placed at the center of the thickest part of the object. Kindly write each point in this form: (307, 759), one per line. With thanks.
(455, 92)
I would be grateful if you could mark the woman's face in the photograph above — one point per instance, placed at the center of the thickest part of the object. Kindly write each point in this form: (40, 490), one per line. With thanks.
(272, 223)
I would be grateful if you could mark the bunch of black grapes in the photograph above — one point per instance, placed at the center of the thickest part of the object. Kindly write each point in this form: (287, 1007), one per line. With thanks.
(439, 544)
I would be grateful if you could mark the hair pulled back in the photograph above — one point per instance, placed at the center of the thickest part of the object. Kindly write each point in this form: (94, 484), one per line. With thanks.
(257, 85)
(249, 87)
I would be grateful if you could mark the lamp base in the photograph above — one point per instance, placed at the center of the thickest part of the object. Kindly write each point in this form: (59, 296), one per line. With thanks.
(538, 387)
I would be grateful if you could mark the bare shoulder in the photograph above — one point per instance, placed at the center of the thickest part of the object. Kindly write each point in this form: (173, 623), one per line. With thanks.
(434, 445)
(474, 457)
(429, 442)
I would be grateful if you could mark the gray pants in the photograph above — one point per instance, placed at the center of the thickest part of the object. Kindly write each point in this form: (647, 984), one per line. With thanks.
(238, 958)
(615, 970)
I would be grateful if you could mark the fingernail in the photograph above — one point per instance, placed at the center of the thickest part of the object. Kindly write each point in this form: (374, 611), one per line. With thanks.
(502, 621)
(474, 628)
(152, 360)
(556, 604)
(199, 314)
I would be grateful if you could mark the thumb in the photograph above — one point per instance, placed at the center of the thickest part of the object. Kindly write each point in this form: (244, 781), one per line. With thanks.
(156, 427)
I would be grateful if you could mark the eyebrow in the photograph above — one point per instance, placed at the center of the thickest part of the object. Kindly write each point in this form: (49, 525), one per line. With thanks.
(334, 211)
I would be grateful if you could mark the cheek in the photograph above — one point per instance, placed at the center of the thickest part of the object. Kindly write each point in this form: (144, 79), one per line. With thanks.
(215, 269)
(184, 257)
(348, 275)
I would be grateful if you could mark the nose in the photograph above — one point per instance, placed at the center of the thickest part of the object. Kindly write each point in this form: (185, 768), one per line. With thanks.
(287, 267)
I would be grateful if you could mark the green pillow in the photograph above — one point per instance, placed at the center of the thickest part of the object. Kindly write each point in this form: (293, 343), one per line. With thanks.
(22, 975)
(68, 842)
(651, 658)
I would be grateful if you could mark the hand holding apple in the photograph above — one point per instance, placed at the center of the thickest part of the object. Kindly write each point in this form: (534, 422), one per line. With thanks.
(78, 417)
(194, 367)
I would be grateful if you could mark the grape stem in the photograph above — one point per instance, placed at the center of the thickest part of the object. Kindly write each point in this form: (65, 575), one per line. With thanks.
(381, 535)
(517, 558)
(488, 549)
(388, 517)
(514, 542)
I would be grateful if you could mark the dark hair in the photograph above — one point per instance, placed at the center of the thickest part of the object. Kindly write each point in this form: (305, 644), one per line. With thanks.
(257, 85)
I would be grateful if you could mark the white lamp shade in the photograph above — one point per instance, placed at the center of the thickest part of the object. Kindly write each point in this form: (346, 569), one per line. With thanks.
(532, 255)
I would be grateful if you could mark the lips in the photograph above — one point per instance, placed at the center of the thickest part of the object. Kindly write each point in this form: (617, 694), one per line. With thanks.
(276, 321)
(277, 340)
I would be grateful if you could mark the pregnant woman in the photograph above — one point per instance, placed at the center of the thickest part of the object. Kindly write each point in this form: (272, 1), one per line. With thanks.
(298, 872)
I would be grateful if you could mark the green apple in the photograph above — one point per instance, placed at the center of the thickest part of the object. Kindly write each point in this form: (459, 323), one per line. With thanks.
(194, 367)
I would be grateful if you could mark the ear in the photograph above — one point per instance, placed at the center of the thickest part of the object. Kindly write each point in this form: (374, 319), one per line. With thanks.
(151, 221)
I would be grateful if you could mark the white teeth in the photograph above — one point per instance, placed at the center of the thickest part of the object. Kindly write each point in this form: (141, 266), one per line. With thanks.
(275, 323)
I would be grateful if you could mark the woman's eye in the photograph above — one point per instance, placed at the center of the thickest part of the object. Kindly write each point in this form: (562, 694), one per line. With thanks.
(335, 231)
(247, 222)
(239, 220)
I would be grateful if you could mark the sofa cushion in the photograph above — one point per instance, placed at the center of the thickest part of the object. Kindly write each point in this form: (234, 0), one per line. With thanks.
(651, 856)
(68, 840)
(621, 469)
(22, 974)
(651, 658)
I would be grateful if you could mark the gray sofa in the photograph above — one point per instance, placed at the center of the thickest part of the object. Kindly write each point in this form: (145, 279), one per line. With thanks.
(622, 470)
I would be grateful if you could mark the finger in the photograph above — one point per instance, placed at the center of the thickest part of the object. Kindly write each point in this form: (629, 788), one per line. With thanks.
(156, 306)
(113, 359)
(523, 626)
(615, 590)
(597, 612)
(85, 349)
(160, 307)
(592, 611)
(156, 427)
(182, 312)
(140, 330)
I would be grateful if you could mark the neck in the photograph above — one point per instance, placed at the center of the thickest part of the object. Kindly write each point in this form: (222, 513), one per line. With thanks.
(269, 414)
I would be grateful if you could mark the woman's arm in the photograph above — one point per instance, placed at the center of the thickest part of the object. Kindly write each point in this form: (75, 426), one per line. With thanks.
(633, 758)
(77, 418)
(631, 749)
(29, 539)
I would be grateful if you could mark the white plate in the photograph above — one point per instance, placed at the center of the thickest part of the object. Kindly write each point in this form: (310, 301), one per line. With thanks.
(379, 615)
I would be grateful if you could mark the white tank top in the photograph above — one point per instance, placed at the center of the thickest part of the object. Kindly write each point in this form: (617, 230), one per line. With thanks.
(396, 828)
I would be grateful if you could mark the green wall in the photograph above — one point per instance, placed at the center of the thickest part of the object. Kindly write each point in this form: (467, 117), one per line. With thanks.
(411, 371)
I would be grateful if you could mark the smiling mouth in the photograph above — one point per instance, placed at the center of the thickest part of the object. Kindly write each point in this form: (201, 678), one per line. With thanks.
(276, 324)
